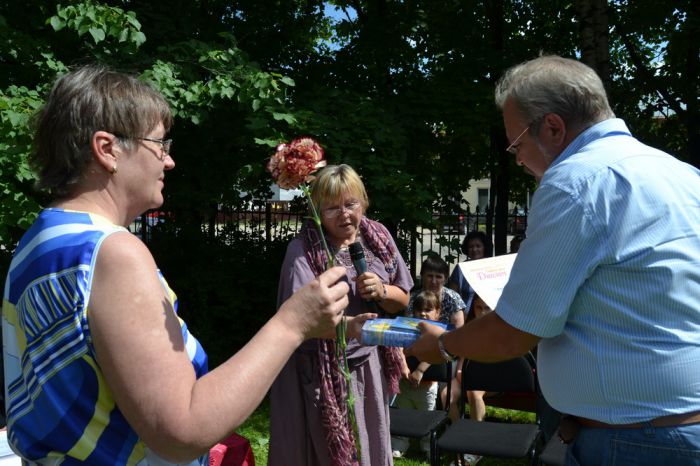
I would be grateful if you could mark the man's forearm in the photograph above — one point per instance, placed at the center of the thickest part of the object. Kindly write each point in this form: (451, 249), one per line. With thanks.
(489, 339)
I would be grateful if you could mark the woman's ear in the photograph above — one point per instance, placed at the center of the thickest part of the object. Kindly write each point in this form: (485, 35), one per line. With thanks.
(105, 150)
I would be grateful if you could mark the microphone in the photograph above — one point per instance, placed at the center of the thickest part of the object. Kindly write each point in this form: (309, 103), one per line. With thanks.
(357, 255)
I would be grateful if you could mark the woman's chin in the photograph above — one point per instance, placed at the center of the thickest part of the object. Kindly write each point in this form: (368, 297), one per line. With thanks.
(348, 231)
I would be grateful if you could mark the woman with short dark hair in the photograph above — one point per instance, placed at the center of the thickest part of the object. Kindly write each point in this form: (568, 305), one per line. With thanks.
(476, 245)
(433, 276)
(99, 368)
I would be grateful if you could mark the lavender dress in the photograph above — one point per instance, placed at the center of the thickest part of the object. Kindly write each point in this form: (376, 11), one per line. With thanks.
(296, 433)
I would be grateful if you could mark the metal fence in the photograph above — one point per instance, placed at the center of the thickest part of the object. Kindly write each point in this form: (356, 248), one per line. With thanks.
(281, 220)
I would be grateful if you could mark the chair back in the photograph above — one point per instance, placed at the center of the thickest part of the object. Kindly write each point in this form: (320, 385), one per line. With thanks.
(513, 375)
(434, 373)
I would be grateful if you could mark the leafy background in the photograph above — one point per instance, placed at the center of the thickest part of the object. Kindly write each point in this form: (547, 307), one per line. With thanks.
(401, 90)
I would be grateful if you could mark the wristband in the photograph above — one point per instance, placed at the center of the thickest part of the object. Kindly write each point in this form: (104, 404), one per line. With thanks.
(446, 355)
(383, 294)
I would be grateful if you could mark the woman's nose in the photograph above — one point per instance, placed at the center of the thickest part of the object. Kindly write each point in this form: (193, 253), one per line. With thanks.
(169, 162)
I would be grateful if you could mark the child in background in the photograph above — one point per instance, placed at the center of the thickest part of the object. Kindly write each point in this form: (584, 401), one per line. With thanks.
(416, 393)
(515, 242)
(477, 407)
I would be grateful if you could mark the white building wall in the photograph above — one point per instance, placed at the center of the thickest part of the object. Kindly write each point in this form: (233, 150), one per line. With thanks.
(471, 196)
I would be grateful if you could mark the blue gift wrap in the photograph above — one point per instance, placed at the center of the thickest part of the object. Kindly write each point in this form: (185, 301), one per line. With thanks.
(401, 331)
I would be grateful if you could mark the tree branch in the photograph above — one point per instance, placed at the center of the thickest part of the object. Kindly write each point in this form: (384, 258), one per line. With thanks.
(646, 77)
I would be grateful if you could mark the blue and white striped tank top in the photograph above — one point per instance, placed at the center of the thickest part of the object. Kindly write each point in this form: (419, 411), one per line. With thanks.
(59, 409)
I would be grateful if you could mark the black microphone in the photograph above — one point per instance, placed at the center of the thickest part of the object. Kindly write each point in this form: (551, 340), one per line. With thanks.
(357, 255)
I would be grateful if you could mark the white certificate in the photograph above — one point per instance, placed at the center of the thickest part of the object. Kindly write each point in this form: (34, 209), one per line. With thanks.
(488, 276)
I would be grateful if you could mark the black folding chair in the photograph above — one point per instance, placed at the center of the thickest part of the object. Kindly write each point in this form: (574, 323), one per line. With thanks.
(554, 453)
(414, 423)
(498, 439)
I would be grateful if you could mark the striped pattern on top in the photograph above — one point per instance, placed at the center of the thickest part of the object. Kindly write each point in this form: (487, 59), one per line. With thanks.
(609, 277)
(59, 409)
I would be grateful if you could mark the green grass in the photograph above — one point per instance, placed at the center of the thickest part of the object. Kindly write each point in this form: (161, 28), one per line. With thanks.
(256, 430)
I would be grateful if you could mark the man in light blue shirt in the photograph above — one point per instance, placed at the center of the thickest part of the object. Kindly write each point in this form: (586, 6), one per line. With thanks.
(608, 279)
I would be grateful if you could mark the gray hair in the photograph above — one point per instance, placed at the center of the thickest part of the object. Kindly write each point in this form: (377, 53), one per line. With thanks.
(89, 99)
(552, 84)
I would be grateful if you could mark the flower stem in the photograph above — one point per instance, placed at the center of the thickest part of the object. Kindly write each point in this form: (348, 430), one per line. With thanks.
(317, 220)
(340, 329)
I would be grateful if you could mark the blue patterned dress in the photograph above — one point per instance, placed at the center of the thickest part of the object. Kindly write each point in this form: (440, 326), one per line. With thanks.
(59, 408)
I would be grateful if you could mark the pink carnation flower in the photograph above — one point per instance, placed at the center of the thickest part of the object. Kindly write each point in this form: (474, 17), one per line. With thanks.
(293, 163)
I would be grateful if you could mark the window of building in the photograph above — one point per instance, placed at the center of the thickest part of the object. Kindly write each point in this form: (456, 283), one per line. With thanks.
(483, 199)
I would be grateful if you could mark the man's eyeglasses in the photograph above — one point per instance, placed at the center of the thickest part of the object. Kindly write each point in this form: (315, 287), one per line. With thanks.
(512, 149)
(333, 212)
(165, 145)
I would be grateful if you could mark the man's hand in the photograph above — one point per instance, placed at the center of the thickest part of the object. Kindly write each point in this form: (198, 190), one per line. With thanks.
(317, 308)
(426, 347)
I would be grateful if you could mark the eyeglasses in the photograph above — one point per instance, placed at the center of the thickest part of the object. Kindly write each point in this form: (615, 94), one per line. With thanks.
(165, 145)
(333, 212)
(512, 149)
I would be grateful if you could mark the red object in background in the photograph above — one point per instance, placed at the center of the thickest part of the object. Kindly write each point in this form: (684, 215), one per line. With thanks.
(232, 451)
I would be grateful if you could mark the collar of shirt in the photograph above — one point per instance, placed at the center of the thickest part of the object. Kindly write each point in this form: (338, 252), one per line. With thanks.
(603, 129)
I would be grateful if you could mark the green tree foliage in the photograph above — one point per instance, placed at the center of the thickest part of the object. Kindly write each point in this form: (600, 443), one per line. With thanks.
(657, 72)
(229, 112)
(401, 90)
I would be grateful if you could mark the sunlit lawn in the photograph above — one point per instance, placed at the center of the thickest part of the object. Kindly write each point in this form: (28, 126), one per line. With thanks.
(256, 431)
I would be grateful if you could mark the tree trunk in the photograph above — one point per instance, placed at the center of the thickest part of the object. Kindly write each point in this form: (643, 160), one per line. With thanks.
(593, 34)
(500, 176)
(693, 76)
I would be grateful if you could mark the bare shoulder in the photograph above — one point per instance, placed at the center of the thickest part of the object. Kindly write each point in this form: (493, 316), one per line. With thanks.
(125, 271)
(123, 248)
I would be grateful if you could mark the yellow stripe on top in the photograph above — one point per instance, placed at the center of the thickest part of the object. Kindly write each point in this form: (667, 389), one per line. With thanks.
(97, 219)
(105, 404)
(9, 313)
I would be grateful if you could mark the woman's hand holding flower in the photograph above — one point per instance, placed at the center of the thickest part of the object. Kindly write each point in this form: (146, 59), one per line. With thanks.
(316, 309)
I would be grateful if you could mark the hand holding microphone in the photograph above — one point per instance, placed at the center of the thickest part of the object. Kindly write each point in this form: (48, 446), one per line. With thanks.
(369, 285)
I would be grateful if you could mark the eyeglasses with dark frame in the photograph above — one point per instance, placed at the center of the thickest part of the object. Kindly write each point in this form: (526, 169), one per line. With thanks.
(165, 145)
(512, 149)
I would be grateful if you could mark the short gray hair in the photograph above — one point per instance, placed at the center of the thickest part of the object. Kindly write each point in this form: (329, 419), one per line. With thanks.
(552, 84)
(89, 99)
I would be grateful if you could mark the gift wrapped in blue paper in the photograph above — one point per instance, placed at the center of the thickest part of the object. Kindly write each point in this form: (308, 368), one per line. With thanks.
(401, 331)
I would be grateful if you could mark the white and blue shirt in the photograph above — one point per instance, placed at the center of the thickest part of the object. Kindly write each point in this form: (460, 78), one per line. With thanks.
(59, 407)
(609, 277)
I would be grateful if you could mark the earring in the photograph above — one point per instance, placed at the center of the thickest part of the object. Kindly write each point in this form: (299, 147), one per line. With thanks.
(114, 169)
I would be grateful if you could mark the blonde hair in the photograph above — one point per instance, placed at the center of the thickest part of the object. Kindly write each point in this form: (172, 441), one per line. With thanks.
(335, 182)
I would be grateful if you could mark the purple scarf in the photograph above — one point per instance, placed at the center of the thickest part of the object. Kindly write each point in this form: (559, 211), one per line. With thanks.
(334, 410)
